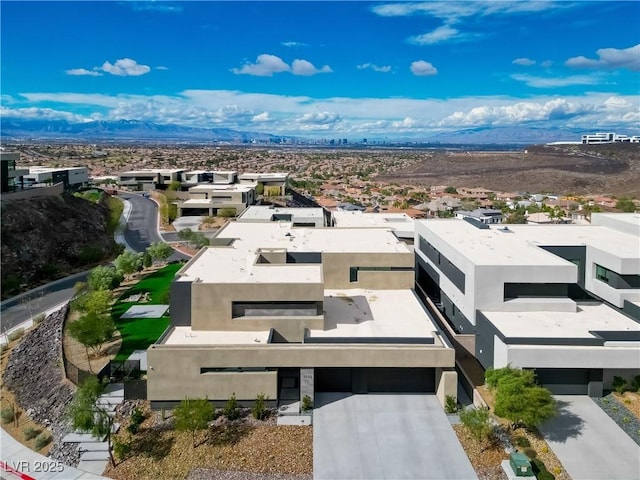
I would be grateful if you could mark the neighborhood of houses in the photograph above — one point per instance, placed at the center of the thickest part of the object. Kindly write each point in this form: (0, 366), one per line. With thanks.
(281, 290)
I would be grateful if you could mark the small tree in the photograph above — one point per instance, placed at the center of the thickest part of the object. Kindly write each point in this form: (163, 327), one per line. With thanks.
(232, 408)
(92, 330)
(259, 410)
(260, 189)
(477, 422)
(104, 278)
(129, 262)
(159, 251)
(519, 399)
(626, 205)
(97, 301)
(147, 261)
(86, 416)
(174, 186)
(193, 414)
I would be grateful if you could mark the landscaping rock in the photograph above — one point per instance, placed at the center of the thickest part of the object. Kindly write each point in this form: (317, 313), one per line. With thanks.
(34, 374)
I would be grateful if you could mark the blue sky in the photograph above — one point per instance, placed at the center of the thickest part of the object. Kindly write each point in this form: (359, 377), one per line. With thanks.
(317, 69)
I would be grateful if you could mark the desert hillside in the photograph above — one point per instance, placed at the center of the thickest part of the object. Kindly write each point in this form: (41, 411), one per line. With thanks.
(580, 169)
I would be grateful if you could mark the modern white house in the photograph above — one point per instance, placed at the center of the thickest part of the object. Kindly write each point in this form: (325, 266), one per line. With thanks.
(299, 217)
(71, 177)
(287, 311)
(208, 199)
(488, 216)
(402, 225)
(608, 137)
(149, 179)
(276, 181)
(218, 177)
(561, 299)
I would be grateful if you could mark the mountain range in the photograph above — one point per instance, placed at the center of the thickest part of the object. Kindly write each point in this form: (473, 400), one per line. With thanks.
(133, 130)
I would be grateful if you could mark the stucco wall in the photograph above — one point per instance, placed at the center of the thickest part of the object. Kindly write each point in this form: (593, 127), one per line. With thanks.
(174, 371)
(336, 270)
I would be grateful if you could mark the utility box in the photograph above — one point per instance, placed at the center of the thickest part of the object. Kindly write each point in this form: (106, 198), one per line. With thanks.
(520, 465)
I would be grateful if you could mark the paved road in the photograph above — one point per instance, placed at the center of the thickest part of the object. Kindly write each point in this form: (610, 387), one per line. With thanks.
(142, 225)
(383, 436)
(588, 443)
(141, 232)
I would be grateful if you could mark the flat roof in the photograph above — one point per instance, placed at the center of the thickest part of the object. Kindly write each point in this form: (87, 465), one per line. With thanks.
(491, 246)
(265, 176)
(188, 336)
(264, 212)
(208, 187)
(361, 313)
(520, 244)
(152, 170)
(220, 172)
(395, 221)
(236, 263)
(624, 222)
(587, 317)
(40, 169)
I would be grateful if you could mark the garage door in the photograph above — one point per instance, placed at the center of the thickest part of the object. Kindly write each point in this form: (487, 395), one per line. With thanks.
(375, 380)
(564, 381)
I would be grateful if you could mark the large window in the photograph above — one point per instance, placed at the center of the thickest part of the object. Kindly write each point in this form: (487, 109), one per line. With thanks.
(615, 280)
(353, 271)
(446, 266)
(276, 309)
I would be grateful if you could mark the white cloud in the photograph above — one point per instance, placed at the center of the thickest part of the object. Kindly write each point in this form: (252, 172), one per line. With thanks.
(261, 117)
(525, 62)
(548, 82)
(162, 67)
(306, 68)
(374, 67)
(321, 118)
(42, 113)
(440, 34)
(83, 71)
(454, 11)
(295, 44)
(609, 58)
(125, 67)
(154, 5)
(266, 65)
(520, 112)
(421, 68)
(291, 115)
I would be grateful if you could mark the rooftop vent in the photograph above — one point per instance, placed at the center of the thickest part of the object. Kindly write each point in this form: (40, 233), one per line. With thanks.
(505, 229)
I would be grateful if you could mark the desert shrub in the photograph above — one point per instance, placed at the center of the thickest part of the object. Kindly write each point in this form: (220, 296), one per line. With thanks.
(90, 254)
(635, 383)
(7, 414)
(522, 442)
(16, 334)
(30, 433)
(619, 384)
(227, 212)
(38, 318)
(450, 404)
(531, 453)
(136, 419)
(231, 409)
(121, 448)
(42, 440)
(476, 421)
(259, 410)
(540, 470)
(307, 403)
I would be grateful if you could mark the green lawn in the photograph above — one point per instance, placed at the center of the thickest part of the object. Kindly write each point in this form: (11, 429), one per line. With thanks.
(139, 333)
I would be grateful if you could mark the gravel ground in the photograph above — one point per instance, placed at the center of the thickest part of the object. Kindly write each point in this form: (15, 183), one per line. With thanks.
(620, 414)
(213, 474)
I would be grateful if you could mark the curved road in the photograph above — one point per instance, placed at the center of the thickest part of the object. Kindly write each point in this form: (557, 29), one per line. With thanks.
(140, 232)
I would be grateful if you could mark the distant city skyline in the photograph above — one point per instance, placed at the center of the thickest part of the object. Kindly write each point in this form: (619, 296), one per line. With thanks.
(322, 69)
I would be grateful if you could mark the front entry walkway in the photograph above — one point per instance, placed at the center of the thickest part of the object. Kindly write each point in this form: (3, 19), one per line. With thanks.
(385, 436)
(588, 443)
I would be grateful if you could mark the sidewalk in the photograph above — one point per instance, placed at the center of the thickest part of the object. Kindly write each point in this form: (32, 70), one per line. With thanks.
(19, 461)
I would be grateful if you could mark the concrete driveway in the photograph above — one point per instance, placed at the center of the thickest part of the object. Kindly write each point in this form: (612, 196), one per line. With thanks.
(380, 436)
(588, 443)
